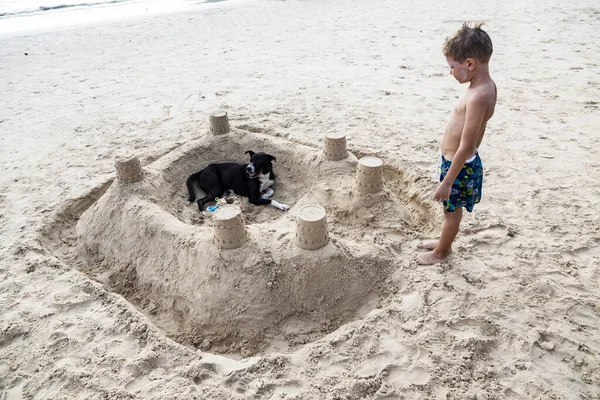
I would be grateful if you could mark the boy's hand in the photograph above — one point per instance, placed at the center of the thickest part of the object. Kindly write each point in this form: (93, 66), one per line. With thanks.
(442, 192)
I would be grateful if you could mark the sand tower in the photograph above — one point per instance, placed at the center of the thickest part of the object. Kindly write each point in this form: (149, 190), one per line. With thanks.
(229, 227)
(311, 227)
(219, 122)
(369, 176)
(129, 169)
(335, 147)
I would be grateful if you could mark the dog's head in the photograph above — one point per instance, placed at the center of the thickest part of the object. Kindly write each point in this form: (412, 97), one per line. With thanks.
(260, 163)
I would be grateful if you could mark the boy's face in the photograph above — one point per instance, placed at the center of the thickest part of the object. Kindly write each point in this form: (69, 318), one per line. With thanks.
(461, 71)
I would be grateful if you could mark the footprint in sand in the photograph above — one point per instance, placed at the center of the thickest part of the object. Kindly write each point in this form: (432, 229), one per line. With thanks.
(402, 377)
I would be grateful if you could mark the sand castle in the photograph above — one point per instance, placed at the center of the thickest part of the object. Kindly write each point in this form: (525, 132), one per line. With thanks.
(229, 227)
(219, 122)
(369, 175)
(246, 277)
(128, 168)
(311, 227)
(335, 147)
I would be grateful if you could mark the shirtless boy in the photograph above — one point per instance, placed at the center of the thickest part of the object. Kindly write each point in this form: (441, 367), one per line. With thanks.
(468, 53)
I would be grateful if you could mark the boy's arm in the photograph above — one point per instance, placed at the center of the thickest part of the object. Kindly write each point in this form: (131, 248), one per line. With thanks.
(475, 113)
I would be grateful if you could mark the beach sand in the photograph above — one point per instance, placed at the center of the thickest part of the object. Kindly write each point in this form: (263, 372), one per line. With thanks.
(514, 315)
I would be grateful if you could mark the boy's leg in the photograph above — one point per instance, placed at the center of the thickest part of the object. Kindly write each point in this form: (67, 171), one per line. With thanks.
(449, 231)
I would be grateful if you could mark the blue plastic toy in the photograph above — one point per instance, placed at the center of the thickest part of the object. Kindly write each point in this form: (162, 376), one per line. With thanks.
(218, 201)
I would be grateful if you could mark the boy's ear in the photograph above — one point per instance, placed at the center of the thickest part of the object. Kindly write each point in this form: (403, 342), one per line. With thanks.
(471, 62)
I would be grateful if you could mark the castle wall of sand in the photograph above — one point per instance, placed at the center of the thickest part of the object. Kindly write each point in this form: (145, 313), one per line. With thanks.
(216, 298)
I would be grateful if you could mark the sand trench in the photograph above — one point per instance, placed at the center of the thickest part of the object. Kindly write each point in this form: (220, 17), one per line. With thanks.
(142, 241)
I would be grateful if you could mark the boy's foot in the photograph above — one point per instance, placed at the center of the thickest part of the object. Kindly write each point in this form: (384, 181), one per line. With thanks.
(427, 244)
(429, 258)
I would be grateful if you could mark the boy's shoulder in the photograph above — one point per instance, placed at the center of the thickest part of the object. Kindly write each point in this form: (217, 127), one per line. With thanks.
(485, 93)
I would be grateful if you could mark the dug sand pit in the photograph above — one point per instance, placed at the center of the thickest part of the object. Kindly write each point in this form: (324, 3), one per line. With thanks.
(264, 292)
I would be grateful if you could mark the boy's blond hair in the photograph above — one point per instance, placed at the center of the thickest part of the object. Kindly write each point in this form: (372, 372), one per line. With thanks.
(469, 42)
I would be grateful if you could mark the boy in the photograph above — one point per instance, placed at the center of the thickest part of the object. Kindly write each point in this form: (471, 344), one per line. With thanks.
(468, 53)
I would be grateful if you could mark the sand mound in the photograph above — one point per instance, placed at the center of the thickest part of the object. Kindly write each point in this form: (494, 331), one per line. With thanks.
(144, 242)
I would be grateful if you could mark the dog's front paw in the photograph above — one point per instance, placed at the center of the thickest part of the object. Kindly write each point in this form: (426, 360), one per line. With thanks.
(281, 206)
(267, 193)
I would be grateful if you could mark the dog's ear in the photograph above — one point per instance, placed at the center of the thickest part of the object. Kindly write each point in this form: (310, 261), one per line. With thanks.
(250, 152)
(271, 158)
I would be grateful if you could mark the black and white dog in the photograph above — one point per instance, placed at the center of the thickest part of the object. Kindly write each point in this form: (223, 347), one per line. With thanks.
(252, 180)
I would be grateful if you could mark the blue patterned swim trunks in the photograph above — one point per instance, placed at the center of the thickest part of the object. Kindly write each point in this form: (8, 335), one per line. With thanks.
(466, 189)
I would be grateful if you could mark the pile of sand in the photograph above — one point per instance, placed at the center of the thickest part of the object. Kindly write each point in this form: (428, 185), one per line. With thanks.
(142, 242)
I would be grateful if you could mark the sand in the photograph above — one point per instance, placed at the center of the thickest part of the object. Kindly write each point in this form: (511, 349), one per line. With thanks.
(515, 313)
